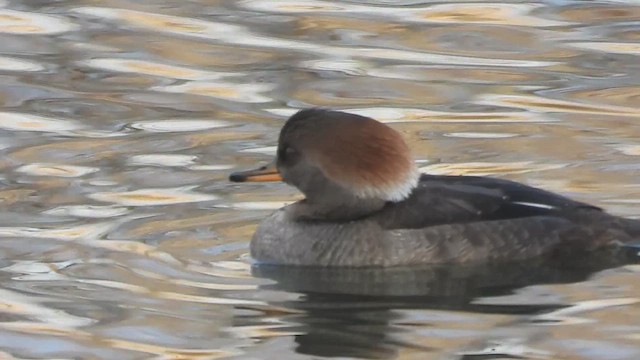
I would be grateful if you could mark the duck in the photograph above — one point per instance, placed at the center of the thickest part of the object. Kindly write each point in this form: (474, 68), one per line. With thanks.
(366, 204)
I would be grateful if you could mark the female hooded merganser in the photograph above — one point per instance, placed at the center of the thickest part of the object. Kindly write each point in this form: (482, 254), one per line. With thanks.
(366, 204)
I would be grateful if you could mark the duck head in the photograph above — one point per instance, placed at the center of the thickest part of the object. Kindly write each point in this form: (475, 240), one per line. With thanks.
(346, 165)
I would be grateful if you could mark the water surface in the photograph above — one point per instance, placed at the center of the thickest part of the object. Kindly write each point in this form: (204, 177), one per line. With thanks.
(120, 237)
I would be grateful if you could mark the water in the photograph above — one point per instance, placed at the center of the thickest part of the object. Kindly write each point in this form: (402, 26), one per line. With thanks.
(120, 237)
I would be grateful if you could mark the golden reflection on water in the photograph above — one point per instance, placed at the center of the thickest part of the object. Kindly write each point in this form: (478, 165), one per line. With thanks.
(149, 68)
(497, 14)
(148, 197)
(27, 23)
(530, 102)
(120, 237)
(249, 93)
(28, 122)
(56, 170)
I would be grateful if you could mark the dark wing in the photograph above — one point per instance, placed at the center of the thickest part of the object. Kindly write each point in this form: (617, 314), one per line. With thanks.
(458, 199)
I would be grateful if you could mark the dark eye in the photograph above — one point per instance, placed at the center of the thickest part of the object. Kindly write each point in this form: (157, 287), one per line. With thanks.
(287, 154)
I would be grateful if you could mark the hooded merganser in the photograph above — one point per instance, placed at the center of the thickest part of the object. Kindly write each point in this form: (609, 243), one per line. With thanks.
(366, 204)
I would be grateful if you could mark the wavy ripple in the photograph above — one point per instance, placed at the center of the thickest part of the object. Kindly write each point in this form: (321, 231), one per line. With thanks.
(121, 238)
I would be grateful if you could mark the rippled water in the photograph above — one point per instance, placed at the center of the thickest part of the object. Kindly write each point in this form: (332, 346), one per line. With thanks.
(120, 237)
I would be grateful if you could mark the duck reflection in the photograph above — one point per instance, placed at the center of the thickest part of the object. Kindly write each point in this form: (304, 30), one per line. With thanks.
(350, 312)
